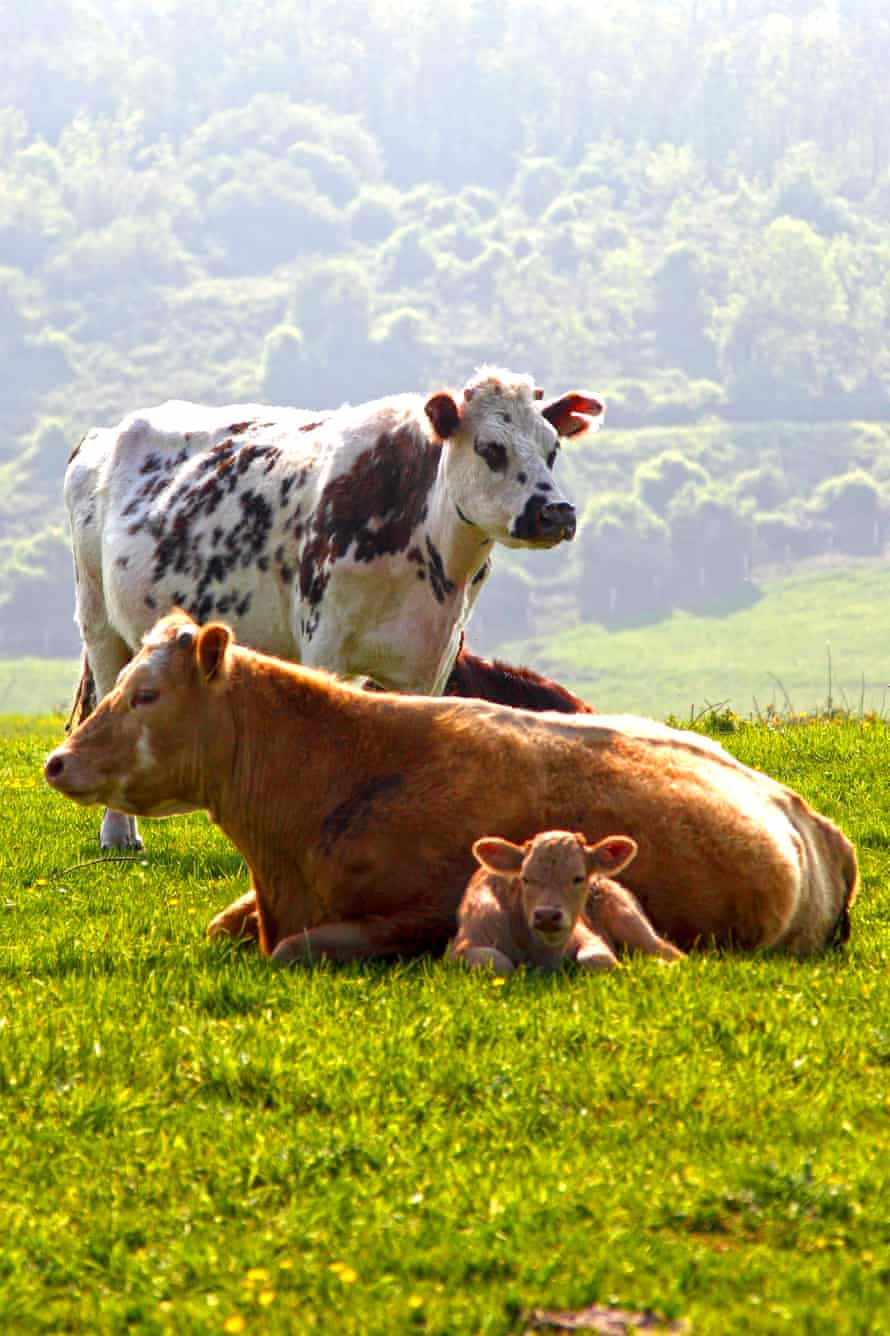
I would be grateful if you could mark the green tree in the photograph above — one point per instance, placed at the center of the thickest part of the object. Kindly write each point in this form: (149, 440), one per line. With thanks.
(658, 480)
(851, 504)
(623, 555)
(682, 314)
(37, 596)
(710, 544)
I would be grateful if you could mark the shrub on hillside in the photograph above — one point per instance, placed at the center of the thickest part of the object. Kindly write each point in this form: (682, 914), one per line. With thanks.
(785, 536)
(710, 544)
(624, 556)
(658, 481)
(37, 596)
(852, 505)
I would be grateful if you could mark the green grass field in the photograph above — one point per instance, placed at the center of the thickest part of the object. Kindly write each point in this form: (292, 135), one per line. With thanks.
(775, 652)
(193, 1143)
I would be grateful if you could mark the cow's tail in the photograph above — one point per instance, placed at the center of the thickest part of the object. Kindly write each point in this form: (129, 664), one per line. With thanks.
(840, 933)
(84, 696)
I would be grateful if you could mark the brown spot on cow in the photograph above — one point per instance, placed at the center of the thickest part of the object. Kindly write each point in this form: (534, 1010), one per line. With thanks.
(376, 506)
(350, 818)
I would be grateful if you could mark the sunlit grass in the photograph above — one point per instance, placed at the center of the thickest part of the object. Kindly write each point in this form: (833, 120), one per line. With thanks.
(192, 1142)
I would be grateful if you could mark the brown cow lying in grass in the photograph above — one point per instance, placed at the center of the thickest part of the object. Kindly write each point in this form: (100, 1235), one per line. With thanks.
(357, 812)
(525, 905)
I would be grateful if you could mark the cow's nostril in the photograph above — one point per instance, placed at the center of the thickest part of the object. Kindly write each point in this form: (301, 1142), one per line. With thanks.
(54, 767)
(559, 515)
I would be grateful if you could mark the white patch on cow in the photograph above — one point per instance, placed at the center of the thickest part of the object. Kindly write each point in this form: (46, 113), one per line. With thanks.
(145, 757)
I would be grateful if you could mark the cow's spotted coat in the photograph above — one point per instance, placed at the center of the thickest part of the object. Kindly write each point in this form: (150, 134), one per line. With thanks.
(356, 540)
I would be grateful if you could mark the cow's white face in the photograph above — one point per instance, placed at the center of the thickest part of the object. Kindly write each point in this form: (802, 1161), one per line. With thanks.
(502, 446)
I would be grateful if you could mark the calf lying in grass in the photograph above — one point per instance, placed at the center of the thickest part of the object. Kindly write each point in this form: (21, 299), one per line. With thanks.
(551, 900)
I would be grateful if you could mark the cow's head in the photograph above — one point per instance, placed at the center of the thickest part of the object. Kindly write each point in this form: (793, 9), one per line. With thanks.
(551, 874)
(502, 444)
(139, 750)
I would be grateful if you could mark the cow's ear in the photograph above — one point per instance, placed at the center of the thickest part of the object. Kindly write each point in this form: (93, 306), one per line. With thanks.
(498, 855)
(610, 855)
(213, 641)
(444, 414)
(574, 412)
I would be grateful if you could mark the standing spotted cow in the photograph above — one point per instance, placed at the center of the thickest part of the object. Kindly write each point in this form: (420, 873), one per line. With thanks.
(354, 540)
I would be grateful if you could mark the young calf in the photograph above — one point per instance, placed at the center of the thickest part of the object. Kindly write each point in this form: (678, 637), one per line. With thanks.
(525, 905)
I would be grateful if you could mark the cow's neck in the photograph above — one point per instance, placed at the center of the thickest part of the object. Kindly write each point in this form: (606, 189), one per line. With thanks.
(461, 544)
(290, 765)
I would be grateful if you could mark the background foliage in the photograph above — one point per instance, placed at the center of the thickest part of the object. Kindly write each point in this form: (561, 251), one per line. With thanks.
(243, 202)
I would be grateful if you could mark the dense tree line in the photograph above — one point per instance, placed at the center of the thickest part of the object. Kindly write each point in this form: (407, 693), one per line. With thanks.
(685, 207)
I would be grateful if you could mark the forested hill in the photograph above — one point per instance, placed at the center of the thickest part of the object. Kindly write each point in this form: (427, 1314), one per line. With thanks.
(684, 206)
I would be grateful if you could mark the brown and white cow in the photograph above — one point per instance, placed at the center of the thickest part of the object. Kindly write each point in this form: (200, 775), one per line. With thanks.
(356, 540)
(357, 812)
(551, 900)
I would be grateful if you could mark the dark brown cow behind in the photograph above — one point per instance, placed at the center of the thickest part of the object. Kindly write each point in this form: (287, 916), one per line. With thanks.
(357, 812)
(505, 684)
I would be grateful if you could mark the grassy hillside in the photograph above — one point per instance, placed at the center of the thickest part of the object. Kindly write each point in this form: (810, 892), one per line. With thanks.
(193, 1143)
(37, 686)
(683, 663)
(787, 633)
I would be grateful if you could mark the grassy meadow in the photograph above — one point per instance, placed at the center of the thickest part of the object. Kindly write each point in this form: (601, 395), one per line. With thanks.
(193, 1143)
(801, 638)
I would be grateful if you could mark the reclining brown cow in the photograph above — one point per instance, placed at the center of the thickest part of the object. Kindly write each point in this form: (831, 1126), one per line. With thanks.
(357, 812)
(550, 900)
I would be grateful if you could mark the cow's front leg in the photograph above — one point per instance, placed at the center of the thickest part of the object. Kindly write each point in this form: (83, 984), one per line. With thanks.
(592, 951)
(240, 921)
(362, 939)
(483, 957)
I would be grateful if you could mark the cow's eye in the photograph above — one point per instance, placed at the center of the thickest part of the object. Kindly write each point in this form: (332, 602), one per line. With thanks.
(551, 458)
(494, 454)
(578, 880)
(145, 696)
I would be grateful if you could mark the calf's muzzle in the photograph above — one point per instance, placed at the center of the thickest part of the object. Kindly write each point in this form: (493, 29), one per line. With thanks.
(548, 918)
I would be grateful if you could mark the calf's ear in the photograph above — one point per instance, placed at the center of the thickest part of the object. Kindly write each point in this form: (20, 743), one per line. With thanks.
(610, 855)
(444, 414)
(213, 641)
(573, 413)
(498, 855)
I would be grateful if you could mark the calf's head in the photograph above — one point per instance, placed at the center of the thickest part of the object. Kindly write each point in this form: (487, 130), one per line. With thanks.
(139, 751)
(551, 873)
(502, 444)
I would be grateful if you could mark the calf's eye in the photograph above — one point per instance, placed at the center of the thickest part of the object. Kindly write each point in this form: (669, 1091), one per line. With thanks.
(144, 697)
(578, 880)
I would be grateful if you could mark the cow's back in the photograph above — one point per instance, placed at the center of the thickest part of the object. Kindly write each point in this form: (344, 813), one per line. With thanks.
(725, 853)
(193, 506)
